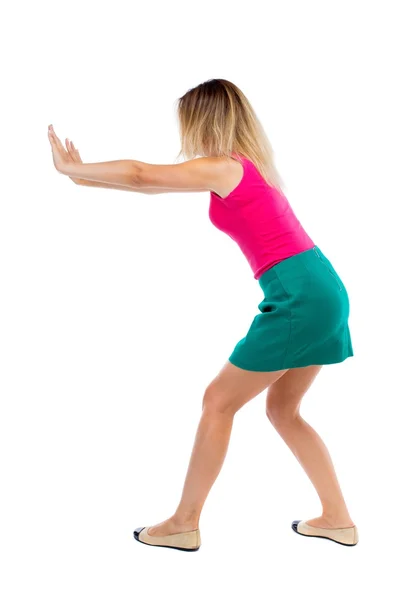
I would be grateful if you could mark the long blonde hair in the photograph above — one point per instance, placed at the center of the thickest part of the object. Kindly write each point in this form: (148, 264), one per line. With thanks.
(216, 119)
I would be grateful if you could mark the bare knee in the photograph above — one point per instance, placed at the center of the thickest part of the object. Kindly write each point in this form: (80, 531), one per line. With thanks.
(216, 400)
(281, 411)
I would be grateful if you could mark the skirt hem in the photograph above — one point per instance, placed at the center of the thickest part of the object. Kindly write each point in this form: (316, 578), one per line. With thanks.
(295, 366)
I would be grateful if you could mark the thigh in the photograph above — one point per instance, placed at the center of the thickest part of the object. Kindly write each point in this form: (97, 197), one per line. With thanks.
(286, 393)
(233, 387)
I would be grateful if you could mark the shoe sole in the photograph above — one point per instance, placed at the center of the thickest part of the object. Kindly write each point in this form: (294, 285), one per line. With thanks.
(163, 546)
(323, 537)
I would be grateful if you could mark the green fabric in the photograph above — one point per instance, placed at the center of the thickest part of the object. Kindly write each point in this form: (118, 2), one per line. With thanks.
(303, 317)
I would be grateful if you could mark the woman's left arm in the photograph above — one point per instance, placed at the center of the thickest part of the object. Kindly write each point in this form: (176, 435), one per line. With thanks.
(197, 175)
(115, 172)
(201, 174)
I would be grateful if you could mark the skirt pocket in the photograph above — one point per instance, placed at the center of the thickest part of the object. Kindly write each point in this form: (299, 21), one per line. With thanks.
(329, 268)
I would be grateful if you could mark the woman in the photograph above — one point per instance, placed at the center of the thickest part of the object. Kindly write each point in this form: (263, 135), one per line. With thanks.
(303, 319)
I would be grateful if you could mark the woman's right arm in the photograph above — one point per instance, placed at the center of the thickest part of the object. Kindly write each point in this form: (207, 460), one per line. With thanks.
(75, 157)
(88, 183)
(99, 184)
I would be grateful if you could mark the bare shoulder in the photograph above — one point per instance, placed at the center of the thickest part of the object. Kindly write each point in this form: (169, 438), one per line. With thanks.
(229, 173)
(222, 173)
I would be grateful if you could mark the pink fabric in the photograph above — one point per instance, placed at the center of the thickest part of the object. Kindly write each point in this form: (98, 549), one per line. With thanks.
(260, 219)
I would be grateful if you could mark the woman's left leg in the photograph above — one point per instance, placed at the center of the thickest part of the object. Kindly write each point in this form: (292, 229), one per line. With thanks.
(225, 395)
(283, 410)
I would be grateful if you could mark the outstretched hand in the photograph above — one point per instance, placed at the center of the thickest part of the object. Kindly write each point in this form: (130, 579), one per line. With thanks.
(59, 153)
(62, 155)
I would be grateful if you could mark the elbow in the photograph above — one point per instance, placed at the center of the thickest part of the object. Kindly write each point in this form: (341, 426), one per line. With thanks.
(137, 176)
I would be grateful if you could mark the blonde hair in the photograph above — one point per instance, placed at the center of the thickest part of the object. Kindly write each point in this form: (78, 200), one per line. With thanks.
(216, 119)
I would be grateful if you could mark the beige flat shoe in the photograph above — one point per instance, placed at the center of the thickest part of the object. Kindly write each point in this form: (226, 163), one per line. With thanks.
(348, 536)
(189, 540)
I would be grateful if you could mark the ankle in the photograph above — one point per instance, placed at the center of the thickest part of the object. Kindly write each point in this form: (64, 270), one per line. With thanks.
(337, 519)
(186, 518)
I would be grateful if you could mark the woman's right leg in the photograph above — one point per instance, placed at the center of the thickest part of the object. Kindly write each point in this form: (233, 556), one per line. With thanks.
(225, 395)
(283, 406)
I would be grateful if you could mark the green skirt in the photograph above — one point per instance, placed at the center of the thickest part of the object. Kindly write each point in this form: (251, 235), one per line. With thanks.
(303, 317)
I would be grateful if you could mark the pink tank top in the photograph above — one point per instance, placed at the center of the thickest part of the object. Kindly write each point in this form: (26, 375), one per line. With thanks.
(260, 219)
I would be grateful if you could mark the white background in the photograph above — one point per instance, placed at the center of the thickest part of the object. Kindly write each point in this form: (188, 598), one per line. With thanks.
(118, 309)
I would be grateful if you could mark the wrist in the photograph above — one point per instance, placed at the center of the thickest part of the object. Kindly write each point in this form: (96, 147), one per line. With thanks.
(66, 169)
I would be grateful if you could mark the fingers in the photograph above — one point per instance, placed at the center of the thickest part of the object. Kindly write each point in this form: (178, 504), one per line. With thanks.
(59, 143)
(56, 142)
(51, 135)
(78, 155)
(73, 152)
(69, 147)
